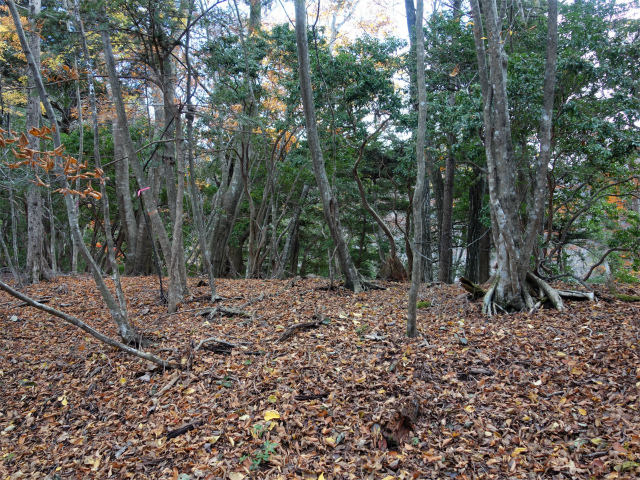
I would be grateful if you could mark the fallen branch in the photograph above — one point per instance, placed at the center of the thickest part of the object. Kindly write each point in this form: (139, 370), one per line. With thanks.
(311, 397)
(217, 340)
(83, 326)
(472, 288)
(577, 295)
(182, 430)
(289, 332)
(231, 312)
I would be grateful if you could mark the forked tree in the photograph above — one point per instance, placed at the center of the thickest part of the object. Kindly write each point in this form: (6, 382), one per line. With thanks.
(514, 236)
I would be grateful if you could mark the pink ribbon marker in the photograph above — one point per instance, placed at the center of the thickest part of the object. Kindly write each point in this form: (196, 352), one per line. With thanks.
(142, 190)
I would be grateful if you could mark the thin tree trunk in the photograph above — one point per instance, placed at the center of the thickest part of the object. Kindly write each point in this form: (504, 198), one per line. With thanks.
(416, 272)
(196, 200)
(149, 200)
(445, 256)
(290, 243)
(329, 201)
(126, 330)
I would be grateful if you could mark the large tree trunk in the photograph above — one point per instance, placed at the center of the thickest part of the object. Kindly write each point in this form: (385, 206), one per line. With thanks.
(475, 270)
(513, 245)
(330, 208)
(37, 268)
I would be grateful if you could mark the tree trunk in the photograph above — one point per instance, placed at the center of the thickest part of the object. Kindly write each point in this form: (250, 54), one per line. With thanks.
(223, 213)
(330, 208)
(196, 200)
(476, 231)
(427, 260)
(37, 268)
(125, 329)
(445, 255)
(513, 245)
(149, 200)
(125, 204)
(416, 272)
(291, 243)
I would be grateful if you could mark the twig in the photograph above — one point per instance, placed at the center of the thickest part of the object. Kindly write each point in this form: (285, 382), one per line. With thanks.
(166, 388)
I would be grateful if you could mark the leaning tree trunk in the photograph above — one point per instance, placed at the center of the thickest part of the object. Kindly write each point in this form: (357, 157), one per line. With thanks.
(121, 116)
(513, 245)
(126, 330)
(353, 281)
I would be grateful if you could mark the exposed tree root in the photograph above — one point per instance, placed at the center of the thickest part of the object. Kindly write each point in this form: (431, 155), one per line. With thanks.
(532, 300)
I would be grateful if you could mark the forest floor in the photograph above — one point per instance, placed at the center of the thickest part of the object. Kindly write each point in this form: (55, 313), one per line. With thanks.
(547, 395)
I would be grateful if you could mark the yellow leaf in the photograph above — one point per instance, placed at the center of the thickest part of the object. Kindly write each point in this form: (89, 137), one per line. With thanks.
(214, 439)
(360, 380)
(582, 411)
(470, 23)
(470, 408)
(64, 401)
(389, 477)
(518, 451)
(270, 415)
(455, 71)
(330, 441)
(236, 476)
(321, 477)
(123, 381)
(561, 354)
(272, 398)
(189, 391)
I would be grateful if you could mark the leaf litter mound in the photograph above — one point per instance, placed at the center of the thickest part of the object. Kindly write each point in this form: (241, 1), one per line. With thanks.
(291, 380)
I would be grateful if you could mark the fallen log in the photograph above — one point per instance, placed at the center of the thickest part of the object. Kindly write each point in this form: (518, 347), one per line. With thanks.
(472, 288)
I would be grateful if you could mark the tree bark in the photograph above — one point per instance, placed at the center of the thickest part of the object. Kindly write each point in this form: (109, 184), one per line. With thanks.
(476, 231)
(416, 272)
(149, 200)
(196, 200)
(37, 268)
(126, 330)
(513, 246)
(330, 208)
(445, 255)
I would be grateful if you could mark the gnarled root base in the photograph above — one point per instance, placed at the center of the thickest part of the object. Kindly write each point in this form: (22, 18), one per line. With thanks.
(393, 270)
(535, 293)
